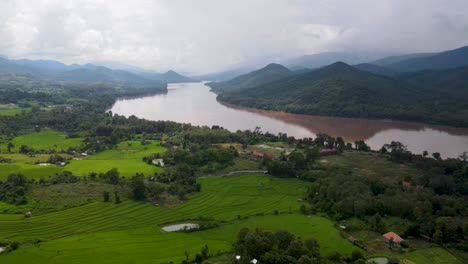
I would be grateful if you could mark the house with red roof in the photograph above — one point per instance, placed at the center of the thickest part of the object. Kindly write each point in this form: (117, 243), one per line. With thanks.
(258, 154)
(406, 184)
(327, 152)
(392, 239)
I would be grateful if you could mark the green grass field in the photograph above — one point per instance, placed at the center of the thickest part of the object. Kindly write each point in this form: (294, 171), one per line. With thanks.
(13, 111)
(126, 158)
(27, 165)
(44, 140)
(130, 232)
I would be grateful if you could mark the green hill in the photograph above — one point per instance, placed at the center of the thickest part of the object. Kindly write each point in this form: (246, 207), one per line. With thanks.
(272, 72)
(338, 89)
(174, 77)
(342, 90)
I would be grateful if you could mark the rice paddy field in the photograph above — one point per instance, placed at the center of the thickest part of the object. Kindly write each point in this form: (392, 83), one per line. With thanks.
(126, 158)
(44, 140)
(131, 232)
(26, 165)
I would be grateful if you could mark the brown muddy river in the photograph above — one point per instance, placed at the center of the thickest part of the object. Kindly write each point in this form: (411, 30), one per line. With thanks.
(194, 103)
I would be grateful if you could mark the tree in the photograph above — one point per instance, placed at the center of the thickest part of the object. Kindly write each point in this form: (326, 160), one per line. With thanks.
(105, 195)
(361, 145)
(425, 153)
(312, 155)
(10, 146)
(24, 149)
(112, 176)
(463, 156)
(138, 187)
(116, 198)
(298, 160)
(383, 150)
(356, 254)
(205, 252)
(436, 155)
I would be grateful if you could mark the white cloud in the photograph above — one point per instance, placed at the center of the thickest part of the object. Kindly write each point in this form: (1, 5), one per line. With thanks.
(209, 35)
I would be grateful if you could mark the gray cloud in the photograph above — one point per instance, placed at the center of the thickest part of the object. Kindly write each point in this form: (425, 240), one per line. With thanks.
(210, 35)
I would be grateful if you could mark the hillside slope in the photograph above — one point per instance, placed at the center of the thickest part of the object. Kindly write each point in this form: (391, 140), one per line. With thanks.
(342, 90)
(338, 89)
(271, 72)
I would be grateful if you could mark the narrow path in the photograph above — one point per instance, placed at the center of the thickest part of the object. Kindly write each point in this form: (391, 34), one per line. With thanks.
(232, 173)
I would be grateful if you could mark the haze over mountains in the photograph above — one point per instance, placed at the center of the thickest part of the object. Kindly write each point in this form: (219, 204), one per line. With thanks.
(88, 73)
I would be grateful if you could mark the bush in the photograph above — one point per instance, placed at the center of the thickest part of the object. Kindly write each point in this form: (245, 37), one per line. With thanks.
(404, 244)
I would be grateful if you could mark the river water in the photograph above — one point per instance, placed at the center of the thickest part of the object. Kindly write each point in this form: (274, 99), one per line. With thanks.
(194, 103)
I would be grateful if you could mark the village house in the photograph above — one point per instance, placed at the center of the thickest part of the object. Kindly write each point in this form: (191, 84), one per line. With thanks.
(328, 152)
(392, 239)
(406, 184)
(258, 154)
(158, 162)
(352, 239)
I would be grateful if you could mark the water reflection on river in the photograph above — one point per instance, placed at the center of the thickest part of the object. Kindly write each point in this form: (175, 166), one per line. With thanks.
(194, 103)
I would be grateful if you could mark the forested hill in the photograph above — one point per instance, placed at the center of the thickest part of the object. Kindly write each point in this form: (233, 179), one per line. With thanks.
(271, 72)
(436, 61)
(174, 77)
(342, 90)
(105, 75)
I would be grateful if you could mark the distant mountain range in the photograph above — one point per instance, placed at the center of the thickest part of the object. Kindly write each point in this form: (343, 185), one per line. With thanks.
(267, 74)
(88, 73)
(420, 87)
(431, 61)
(223, 75)
(326, 58)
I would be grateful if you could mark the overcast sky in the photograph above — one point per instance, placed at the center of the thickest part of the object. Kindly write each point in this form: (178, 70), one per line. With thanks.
(201, 36)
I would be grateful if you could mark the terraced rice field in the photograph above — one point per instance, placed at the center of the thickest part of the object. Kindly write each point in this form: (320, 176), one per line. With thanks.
(126, 158)
(26, 165)
(132, 232)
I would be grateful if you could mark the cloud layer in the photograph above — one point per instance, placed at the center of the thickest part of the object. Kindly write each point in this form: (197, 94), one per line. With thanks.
(210, 35)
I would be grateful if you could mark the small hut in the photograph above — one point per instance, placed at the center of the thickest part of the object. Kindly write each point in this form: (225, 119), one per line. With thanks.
(392, 239)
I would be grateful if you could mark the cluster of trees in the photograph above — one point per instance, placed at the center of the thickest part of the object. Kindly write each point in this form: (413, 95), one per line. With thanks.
(201, 157)
(278, 247)
(282, 247)
(433, 202)
(14, 190)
